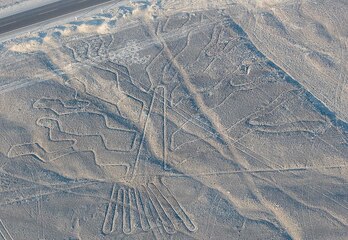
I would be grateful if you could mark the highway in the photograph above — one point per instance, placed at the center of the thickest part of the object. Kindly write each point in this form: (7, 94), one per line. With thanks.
(53, 10)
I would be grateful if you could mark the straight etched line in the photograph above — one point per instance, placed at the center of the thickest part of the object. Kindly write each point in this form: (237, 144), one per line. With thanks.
(251, 171)
(111, 213)
(164, 136)
(4, 232)
(143, 136)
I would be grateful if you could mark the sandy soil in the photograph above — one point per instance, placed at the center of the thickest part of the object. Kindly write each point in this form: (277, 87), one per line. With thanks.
(160, 120)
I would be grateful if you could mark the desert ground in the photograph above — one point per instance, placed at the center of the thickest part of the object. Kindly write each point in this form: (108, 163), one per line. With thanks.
(177, 120)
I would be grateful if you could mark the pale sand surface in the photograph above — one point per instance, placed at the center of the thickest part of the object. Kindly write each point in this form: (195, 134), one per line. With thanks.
(168, 120)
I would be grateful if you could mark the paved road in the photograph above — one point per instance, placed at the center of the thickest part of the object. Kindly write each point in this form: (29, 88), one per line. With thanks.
(46, 12)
